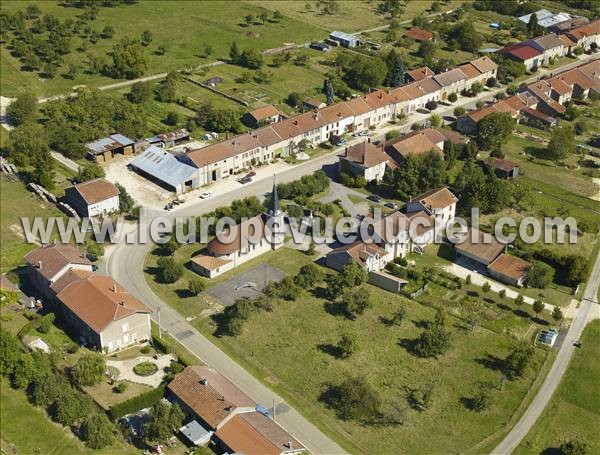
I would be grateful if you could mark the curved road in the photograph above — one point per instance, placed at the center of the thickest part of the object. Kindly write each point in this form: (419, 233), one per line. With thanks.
(541, 400)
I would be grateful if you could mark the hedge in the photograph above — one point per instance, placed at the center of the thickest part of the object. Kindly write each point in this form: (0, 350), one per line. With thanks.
(162, 345)
(186, 360)
(142, 401)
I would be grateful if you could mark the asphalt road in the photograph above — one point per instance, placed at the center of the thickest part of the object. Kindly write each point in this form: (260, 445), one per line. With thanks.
(541, 400)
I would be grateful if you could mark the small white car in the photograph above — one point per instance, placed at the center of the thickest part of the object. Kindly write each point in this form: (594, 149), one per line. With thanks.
(206, 195)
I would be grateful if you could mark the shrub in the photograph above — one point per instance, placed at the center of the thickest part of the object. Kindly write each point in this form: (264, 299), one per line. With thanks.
(459, 111)
(162, 345)
(145, 369)
(97, 431)
(142, 401)
(452, 97)
(89, 369)
(196, 286)
(169, 270)
(431, 105)
(46, 323)
(185, 360)
(120, 387)
(145, 350)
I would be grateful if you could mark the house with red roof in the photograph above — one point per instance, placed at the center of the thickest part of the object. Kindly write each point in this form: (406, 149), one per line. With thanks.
(524, 53)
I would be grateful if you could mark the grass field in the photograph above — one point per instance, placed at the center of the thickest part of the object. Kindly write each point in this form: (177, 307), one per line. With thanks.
(286, 346)
(574, 412)
(184, 28)
(17, 202)
(27, 430)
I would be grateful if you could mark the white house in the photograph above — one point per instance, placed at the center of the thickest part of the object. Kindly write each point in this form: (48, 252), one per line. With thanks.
(365, 160)
(93, 198)
(440, 203)
(370, 256)
(550, 45)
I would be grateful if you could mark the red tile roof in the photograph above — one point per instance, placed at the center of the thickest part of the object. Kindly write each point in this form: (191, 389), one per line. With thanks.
(420, 73)
(365, 153)
(510, 266)
(418, 34)
(99, 300)
(51, 259)
(264, 112)
(96, 190)
(520, 51)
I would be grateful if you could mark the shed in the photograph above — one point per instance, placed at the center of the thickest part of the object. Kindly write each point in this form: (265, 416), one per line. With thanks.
(166, 170)
(548, 337)
(504, 168)
(196, 433)
(344, 39)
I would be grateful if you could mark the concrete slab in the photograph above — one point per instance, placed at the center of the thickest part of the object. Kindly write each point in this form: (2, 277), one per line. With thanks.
(226, 293)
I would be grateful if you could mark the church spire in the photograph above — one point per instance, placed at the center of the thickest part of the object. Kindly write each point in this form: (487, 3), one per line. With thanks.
(275, 209)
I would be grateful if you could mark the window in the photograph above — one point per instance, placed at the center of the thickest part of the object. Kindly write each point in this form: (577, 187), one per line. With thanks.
(125, 327)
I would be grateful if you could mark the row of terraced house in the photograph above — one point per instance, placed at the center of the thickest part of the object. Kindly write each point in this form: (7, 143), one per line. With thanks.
(199, 167)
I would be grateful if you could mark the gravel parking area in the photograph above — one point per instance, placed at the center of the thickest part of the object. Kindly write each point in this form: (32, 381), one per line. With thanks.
(226, 293)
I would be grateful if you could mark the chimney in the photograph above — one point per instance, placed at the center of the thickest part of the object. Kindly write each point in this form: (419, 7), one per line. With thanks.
(114, 288)
(288, 444)
(369, 140)
(39, 265)
(204, 381)
(229, 408)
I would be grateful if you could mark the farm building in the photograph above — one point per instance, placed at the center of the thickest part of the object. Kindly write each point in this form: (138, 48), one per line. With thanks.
(344, 39)
(93, 198)
(106, 148)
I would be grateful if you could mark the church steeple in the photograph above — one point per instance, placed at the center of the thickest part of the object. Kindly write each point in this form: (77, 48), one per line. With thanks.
(275, 208)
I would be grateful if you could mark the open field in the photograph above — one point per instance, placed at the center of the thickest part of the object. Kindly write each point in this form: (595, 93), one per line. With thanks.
(574, 412)
(183, 28)
(17, 202)
(300, 332)
(28, 430)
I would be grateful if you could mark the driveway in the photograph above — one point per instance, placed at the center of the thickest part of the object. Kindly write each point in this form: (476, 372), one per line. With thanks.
(125, 368)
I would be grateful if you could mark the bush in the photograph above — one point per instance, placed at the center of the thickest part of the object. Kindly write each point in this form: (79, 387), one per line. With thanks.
(142, 401)
(120, 387)
(97, 431)
(145, 350)
(431, 105)
(145, 369)
(185, 360)
(196, 286)
(89, 369)
(169, 270)
(162, 345)
(459, 111)
(46, 323)
(452, 97)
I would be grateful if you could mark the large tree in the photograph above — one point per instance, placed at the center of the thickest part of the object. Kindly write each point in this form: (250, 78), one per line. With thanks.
(562, 143)
(396, 69)
(89, 369)
(129, 59)
(97, 431)
(22, 109)
(494, 129)
(356, 399)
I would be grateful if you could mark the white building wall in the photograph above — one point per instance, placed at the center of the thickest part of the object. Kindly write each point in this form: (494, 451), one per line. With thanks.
(104, 207)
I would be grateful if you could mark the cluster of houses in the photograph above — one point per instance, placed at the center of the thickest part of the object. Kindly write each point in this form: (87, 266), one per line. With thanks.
(222, 413)
(543, 100)
(567, 35)
(97, 308)
(280, 136)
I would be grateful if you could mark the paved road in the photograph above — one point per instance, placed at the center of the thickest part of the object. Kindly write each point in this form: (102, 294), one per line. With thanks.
(541, 400)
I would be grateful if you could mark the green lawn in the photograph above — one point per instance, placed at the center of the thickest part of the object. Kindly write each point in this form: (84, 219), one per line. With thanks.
(184, 28)
(286, 346)
(17, 202)
(574, 412)
(27, 430)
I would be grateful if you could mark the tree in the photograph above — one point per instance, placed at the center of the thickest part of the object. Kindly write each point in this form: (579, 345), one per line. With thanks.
(355, 399)
(519, 300)
(433, 341)
(482, 400)
(502, 294)
(140, 92)
(533, 28)
(557, 314)
(89, 369)
(234, 53)
(167, 89)
(22, 109)
(476, 88)
(108, 31)
(573, 447)
(398, 316)
(539, 276)
(538, 307)
(172, 118)
(391, 7)
(486, 287)
(251, 58)
(97, 431)
(249, 18)
(277, 16)
(356, 301)
(348, 345)
(126, 202)
(431, 105)
(89, 171)
(452, 98)
(562, 143)
(362, 73)
(435, 121)
(164, 420)
(10, 352)
(459, 111)
(24, 371)
(46, 323)
(518, 360)
(308, 276)
(129, 60)
(427, 49)
(465, 35)
(328, 91)
(396, 70)
(196, 286)
(71, 406)
(263, 17)
(494, 129)
(146, 37)
(169, 270)
(45, 389)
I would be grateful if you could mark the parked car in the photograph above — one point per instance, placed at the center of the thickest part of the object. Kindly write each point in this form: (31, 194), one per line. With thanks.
(391, 205)
(206, 195)
(169, 206)
(374, 198)
(363, 133)
(244, 179)
(251, 174)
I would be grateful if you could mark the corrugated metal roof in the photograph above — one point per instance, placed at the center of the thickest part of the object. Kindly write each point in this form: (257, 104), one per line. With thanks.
(109, 143)
(164, 166)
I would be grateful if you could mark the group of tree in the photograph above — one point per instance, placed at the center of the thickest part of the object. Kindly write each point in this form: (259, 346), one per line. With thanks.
(129, 60)
(562, 143)
(305, 187)
(352, 276)
(164, 421)
(419, 173)
(482, 189)
(48, 387)
(217, 119)
(233, 318)
(361, 72)
(462, 36)
(494, 130)
(28, 146)
(250, 58)
(396, 69)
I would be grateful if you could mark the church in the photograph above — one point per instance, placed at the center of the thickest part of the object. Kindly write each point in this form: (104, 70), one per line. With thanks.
(243, 242)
